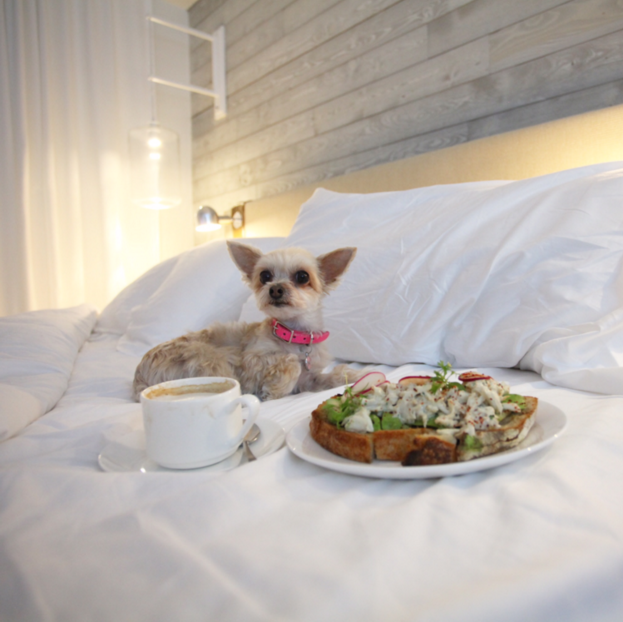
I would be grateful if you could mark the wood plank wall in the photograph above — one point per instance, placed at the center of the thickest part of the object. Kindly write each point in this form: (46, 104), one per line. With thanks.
(319, 88)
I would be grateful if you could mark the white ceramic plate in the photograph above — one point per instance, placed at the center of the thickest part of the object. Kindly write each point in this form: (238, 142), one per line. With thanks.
(127, 453)
(549, 425)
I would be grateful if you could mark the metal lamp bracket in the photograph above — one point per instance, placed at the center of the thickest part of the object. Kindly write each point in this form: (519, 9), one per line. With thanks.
(219, 91)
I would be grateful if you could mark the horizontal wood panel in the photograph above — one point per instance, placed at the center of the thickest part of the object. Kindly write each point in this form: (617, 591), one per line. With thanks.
(438, 74)
(377, 63)
(589, 99)
(583, 66)
(569, 104)
(317, 89)
(400, 18)
(480, 17)
(326, 26)
(366, 159)
(271, 30)
(344, 78)
(408, 85)
(559, 28)
(257, 27)
(208, 21)
(202, 9)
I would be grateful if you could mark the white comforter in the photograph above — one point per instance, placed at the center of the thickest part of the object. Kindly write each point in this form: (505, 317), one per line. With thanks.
(538, 539)
(282, 539)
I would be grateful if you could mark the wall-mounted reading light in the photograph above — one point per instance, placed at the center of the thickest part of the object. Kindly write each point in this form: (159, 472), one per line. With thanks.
(155, 150)
(209, 220)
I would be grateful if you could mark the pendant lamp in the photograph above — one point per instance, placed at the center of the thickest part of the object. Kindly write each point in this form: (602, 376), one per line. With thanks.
(155, 167)
(154, 149)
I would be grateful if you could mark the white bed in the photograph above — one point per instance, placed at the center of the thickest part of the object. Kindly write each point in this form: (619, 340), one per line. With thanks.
(521, 280)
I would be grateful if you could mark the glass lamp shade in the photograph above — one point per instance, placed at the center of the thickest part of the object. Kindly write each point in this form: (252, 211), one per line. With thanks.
(155, 167)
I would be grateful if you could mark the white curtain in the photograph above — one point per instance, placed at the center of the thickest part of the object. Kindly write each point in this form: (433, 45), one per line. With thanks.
(72, 84)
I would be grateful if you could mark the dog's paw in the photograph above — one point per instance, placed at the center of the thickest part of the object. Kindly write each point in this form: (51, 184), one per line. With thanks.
(346, 375)
(338, 376)
(280, 378)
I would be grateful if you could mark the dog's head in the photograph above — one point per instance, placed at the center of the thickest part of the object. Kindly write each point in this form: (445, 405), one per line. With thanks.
(289, 282)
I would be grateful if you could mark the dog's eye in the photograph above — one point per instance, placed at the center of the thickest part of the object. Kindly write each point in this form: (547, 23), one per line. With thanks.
(301, 277)
(266, 276)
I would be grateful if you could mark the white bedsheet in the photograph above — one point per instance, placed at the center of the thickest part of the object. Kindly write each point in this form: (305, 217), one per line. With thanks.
(540, 539)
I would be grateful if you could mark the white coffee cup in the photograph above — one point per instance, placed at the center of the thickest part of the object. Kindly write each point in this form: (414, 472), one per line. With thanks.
(195, 422)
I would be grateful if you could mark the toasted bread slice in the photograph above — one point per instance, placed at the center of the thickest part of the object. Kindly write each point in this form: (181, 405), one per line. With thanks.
(430, 447)
(351, 445)
(421, 446)
(514, 429)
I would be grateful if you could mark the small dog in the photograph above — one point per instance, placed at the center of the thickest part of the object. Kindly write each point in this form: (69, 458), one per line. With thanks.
(285, 353)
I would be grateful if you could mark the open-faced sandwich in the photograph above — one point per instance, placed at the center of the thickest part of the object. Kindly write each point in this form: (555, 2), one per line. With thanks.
(423, 420)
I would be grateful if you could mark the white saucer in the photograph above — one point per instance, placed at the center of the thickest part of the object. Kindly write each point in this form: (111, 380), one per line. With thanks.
(128, 452)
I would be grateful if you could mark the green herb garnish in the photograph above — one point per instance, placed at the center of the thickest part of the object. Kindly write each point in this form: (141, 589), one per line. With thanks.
(338, 408)
(441, 379)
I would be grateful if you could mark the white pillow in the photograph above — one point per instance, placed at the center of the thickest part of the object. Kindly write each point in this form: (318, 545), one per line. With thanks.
(38, 352)
(473, 274)
(18, 408)
(116, 315)
(204, 286)
(250, 312)
(588, 356)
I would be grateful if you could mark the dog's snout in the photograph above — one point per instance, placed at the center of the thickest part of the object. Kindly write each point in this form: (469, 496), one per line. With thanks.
(276, 292)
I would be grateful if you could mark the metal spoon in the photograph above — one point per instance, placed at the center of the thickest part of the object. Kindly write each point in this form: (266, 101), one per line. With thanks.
(251, 436)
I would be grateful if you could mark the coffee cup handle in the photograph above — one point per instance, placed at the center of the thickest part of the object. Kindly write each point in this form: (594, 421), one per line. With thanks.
(253, 408)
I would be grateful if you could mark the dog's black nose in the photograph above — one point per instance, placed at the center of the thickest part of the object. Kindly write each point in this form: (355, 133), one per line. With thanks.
(276, 292)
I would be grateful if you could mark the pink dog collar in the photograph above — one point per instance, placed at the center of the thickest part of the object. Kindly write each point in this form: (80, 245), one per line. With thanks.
(297, 336)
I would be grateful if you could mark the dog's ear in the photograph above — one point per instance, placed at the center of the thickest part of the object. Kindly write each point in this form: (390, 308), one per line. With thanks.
(245, 257)
(334, 264)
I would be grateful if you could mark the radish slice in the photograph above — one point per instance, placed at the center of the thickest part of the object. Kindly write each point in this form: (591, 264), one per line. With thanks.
(471, 376)
(369, 381)
(414, 377)
(380, 384)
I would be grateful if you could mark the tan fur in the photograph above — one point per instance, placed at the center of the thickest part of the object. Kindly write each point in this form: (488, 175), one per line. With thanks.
(263, 364)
